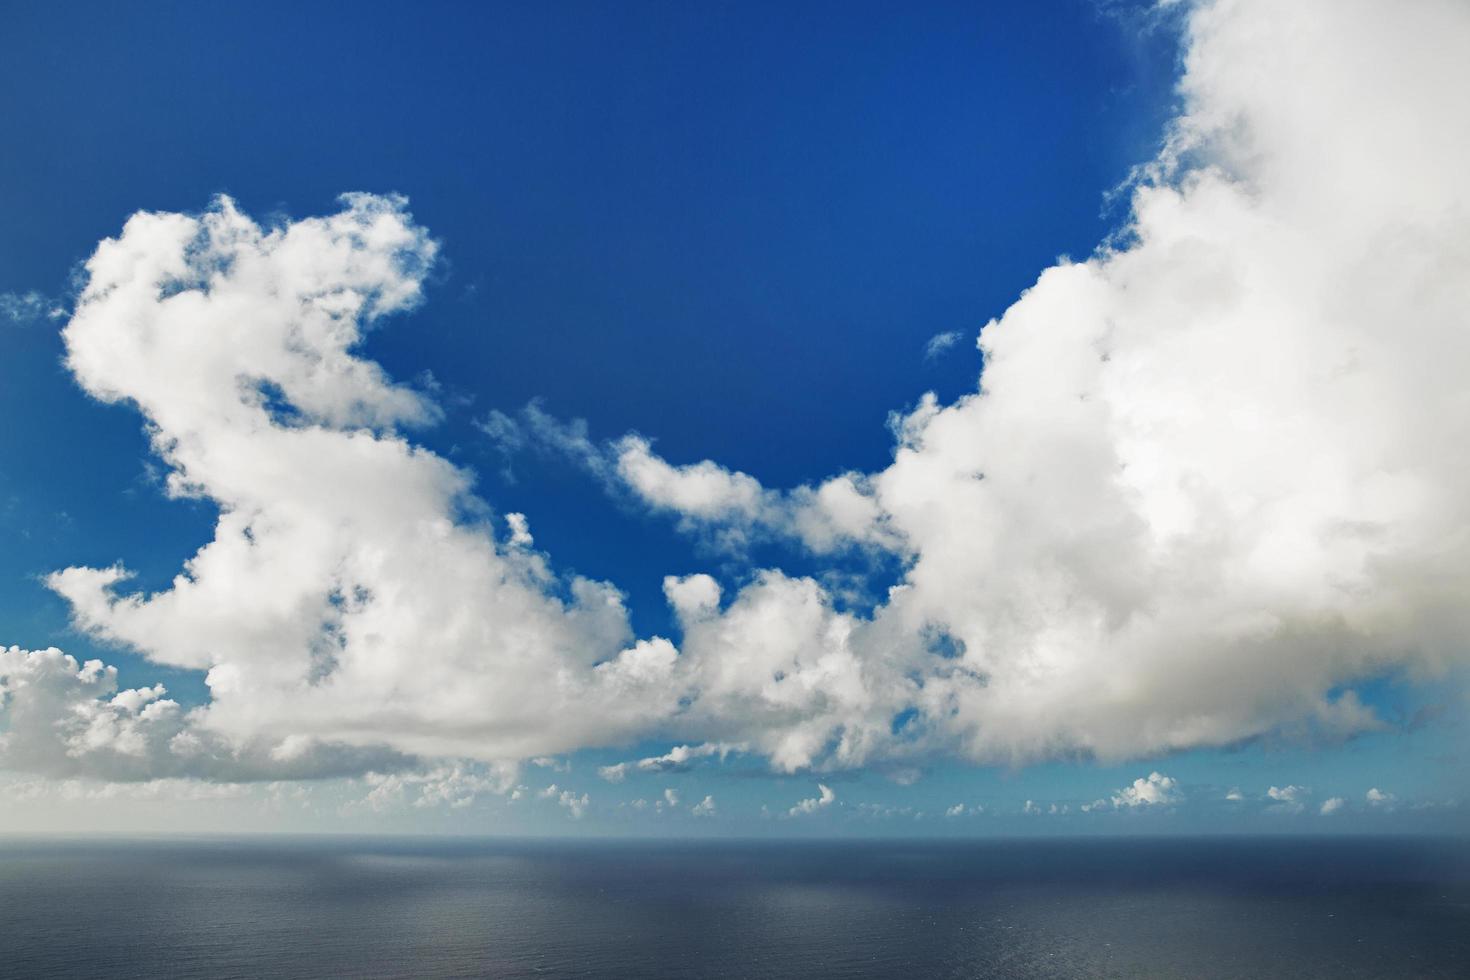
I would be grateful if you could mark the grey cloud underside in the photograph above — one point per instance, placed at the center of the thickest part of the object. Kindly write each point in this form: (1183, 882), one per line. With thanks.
(1208, 480)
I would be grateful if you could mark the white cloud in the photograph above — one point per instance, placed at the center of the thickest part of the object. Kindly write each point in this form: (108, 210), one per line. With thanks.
(342, 601)
(614, 773)
(1155, 789)
(824, 798)
(576, 806)
(704, 808)
(454, 786)
(1289, 799)
(1332, 805)
(1380, 800)
(701, 491)
(65, 719)
(680, 758)
(941, 342)
(1203, 485)
(961, 810)
(29, 307)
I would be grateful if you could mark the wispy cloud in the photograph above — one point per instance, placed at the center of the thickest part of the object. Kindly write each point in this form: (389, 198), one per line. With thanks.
(940, 343)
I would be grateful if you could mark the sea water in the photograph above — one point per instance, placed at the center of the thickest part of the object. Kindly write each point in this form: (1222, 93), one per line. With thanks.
(355, 907)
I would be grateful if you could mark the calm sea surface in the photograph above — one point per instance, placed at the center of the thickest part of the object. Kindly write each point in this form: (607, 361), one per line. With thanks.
(415, 908)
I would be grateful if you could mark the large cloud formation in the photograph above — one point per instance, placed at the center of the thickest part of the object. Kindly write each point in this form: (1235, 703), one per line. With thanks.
(1211, 477)
(350, 596)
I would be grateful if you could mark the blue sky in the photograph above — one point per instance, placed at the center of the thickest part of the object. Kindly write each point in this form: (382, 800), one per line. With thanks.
(733, 230)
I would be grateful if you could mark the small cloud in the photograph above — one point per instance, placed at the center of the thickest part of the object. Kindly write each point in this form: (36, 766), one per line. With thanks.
(1155, 789)
(1289, 799)
(941, 342)
(960, 810)
(1380, 800)
(575, 805)
(815, 803)
(29, 307)
(1331, 806)
(1031, 808)
(704, 808)
(1235, 795)
(680, 758)
(881, 811)
(906, 776)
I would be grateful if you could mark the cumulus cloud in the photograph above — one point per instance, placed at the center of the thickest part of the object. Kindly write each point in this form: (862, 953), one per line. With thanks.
(729, 510)
(1289, 799)
(1332, 805)
(704, 808)
(67, 719)
(1203, 486)
(454, 786)
(1155, 789)
(824, 798)
(350, 596)
(1379, 800)
(680, 758)
(576, 806)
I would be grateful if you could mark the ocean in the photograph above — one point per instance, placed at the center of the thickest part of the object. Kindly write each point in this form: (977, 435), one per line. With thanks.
(429, 908)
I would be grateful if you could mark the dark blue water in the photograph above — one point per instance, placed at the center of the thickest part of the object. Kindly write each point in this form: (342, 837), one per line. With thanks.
(413, 908)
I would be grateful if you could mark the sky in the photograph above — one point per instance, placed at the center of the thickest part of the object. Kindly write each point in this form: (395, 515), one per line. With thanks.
(735, 419)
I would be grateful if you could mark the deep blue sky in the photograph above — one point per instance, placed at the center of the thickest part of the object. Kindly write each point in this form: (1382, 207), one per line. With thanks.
(731, 226)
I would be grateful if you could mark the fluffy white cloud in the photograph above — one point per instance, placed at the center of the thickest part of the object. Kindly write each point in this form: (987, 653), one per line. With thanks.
(576, 806)
(70, 720)
(727, 508)
(344, 599)
(1289, 799)
(1205, 482)
(1332, 805)
(825, 797)
(678, 759)
(1380, 800)
(454, 786)
(1155, 789)
(704, 808)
